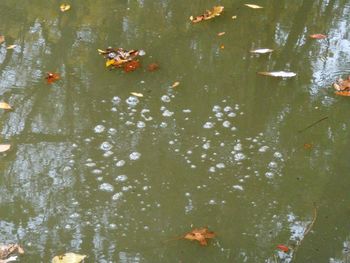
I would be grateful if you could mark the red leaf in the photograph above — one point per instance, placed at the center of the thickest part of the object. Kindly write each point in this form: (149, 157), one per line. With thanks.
(318, 36)
(52, 77)
(283, 248)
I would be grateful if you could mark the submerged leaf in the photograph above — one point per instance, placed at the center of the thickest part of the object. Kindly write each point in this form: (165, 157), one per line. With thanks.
(278, 74)
(318, 36)
(5, 106)
(253, 6)
(153, 67)
(308, 146)
(209, 14)
(64, 7)
(261, 51)
(52, 77)
(68, 258)
(201, 235)
(2, 39)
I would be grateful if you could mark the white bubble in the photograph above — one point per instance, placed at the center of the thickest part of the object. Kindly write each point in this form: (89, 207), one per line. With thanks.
(97, 171)
(212, 202)
(206, 145)
(273, 165)
(112, 131)
(106, 146)
(121, 178)
(216, 108)
(212, 169)
(269, 175)
(219, 115)
(168, 113)
(208, 125)
(237, 187)
(263, 148)
(237, 147)
(116, 100)
(226, 124)
(165, 98)
(99, 128)
(134, 156)
(239, 156)
(163, 125)
(117, 196)
(232, 114)
(141, 124)
(277, 155)
(132, 101)
(120, 163)
(106, 187)
(227, 109)
(220, 165)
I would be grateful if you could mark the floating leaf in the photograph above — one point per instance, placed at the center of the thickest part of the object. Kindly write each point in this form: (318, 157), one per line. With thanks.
(109, 62)
(222, 46)
(318, 36)
(10, 259)
(261, 51)
(131, 65)
(234, 17)
(209, 14)
(52, 77)
(68, 258)
(253, 6)
(153, 67)
(6, 250)
(2, 39)
(343, 93)
(201, 235)
(221, 34)
(136, 94)
(175, 84)
(5, 106)
(283, 248)
(64, 7)
(278, 74)
(341, 84)
(11, 46)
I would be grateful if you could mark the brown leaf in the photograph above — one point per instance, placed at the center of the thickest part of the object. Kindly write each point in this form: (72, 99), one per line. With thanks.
(153, 67)
(318, 36)
(2, 39)
(5, 106)
(209, 14)
(308, 146)
(52, 77)
(200, 234)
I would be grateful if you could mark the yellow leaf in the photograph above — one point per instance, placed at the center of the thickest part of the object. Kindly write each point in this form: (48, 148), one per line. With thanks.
(175, 84)
(11, 46)
(136, 94)
(217, 10)
(68, 258)
(234, 17)
(100, 51)
(5, 106)
(4, 148)
(221, 34)
(109, 62)
(253, 6)
(64, 7)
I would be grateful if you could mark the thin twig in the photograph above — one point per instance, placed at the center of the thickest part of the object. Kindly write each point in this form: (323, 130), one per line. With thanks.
(313, 124)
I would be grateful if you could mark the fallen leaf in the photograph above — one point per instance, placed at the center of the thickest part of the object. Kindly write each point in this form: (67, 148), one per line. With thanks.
(68, 258)
(341, 84)
(318, 36)
(278, 74)
(343, 93)
(283, 248)
(131, 65)
(11, 46)
(5, 106)
(221, 34)
(209, 14)
(201, 235)
(64, 7)
(140, 95)
(261, 51)
(2, 39)
(153, 67)
(234, 17)
(7, 250)
(308, 146)
(222, 47)
(10, 259)
(52, 77)
(253, 6)
(175, 84)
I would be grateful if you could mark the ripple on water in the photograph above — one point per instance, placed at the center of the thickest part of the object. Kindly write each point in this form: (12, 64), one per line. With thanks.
(106, 187)
(106, 146)
(120, 163)
(134, 156)
(121, 178)
(208, 125)
(99, 128)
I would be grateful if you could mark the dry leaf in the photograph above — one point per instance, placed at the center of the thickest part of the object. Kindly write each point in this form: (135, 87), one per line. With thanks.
(68, 258)
(278, 74)
(153, 67)
(318, 36)
(209, 14)
(201, 235)
(261, 51)
(175, 84)
(52, 77)
(221, 34)
(137, 94)
(343, 93)
(5, 106)
(253, 6)
(64, 7)
(11, 46)
(2, 39)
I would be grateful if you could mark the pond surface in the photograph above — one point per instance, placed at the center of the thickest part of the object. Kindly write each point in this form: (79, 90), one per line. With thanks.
(97, 171)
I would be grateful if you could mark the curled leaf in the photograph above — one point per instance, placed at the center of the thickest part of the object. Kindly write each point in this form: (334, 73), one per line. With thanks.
(278, 74)
(52, 77)
(5, 106)
(68, 258)
(209, 14)
(318, 36)
(261, 51)
(64, 7)
(201, 235)
(253, 6)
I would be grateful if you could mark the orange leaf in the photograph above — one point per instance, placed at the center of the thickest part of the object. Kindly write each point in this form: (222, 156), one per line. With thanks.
(200, 234)
(343, 93)
(283, 248)
(131, 65)
(2, 39)
(318, 36)
(308, 146)
(52, 77)
(209, 14)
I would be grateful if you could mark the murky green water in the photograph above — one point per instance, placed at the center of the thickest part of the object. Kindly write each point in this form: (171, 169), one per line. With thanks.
(97, 171)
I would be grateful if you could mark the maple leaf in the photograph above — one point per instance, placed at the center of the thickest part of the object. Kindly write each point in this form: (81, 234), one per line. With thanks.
(209, 14)
(200, 234)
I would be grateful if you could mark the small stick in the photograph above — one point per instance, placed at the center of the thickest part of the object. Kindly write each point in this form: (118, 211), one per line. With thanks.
(313, 124)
